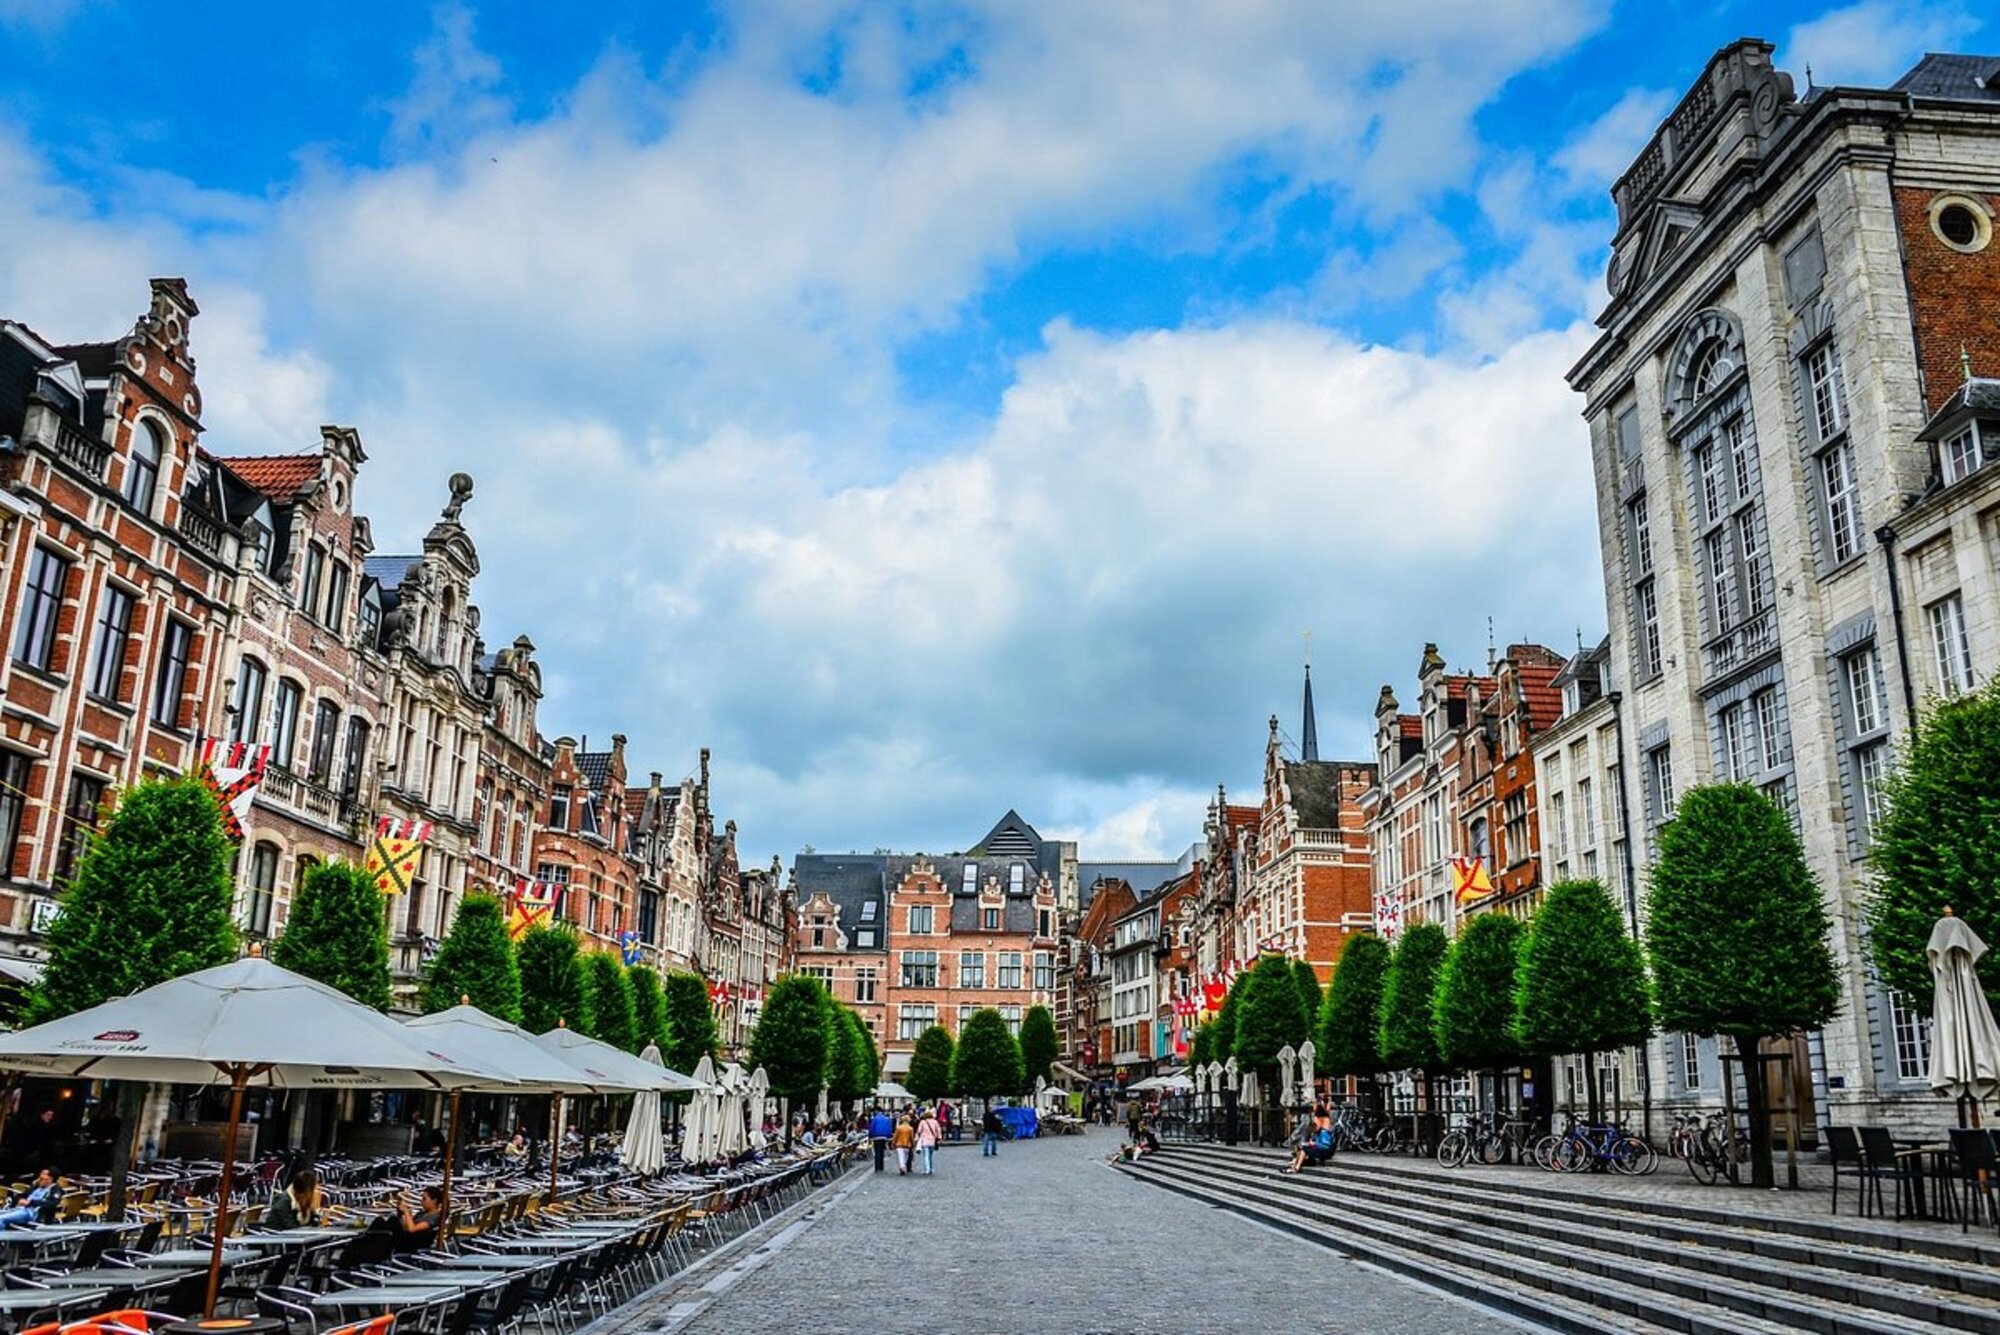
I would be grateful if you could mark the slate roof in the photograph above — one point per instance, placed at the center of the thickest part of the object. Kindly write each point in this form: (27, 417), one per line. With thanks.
(1975, 396)
(1315, 789)
(850, 880)
(94, 360)
(595, 766)
(1942, 77)
(388, 570)
(278, 476)
(1143, 877)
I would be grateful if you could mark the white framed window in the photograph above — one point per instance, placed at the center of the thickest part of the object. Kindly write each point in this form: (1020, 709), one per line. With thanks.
(1729, 731)
(864, 983)
(913, 1018)
(1870, 762)
(1586, 815)
(868, 911)
(1557, 828)
(1660, 760)
(1017, 878)
(1721, 579)
(1690, 1062)
(1912, 1034)
(1648, 608)
(1708, 471)
(1951, 651)
(1009, 970)
(142, 474)
(1045, 971)
(1864, 690)
(1770, 730)
(1829, 406)
(109, 641)
(1640, 525)
(248, 709)
(1959, 455)
(920, 968)
(1749, 548)
(970, 879)
(989, 920)
(1739, 457)
(1843, 502)
(971, 968)
(922, 917)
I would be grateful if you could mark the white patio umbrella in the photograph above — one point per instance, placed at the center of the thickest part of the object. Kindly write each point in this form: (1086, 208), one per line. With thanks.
(497, 1045)
(1965, 1042)
(891, 1092)
(1307, 1053)
(698, 1127)
(250, 1023)
(645, 1149)
(1286, 1056)
(606, 1067)
(732, 1138)
(819, 1112)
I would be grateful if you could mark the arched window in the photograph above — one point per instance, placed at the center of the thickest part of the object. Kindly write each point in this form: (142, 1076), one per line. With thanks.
(443, 627)
(247, 709)
(1711, 368)
(142, 472)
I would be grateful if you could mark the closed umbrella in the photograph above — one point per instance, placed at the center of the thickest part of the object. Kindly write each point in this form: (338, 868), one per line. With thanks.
(698, 1126)
(1306, 1056)
(1286, 1056)
(1965, 1042)
(645, 1149)
(732, 1139)
(250, 1023)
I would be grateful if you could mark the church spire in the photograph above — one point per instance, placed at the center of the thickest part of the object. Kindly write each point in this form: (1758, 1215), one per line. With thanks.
(1309, 736)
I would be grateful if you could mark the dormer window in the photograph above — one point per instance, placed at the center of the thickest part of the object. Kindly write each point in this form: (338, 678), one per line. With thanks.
(142, 474)
(1961, 453)
(971, 879)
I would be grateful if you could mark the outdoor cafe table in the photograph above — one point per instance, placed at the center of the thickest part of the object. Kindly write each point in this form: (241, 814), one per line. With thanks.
(546, 1242)
(27, 1302)
(482, 1261)
(189, 1258)
(388, 1296)
(122, 1279)
(294, 1237)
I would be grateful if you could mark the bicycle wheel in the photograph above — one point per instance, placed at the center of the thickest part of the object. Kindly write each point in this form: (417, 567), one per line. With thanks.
(1634, 1157)
(1544, 1153)
(1704, 1165)
(1571, 1155)
(1453, 1149)
(1491, 1149)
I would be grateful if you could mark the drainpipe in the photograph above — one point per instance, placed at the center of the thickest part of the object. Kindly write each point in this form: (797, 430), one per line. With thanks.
(1886, 535)
(1617, 699)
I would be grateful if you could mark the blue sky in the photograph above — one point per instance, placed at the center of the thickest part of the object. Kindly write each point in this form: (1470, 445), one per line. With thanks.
(933, 409)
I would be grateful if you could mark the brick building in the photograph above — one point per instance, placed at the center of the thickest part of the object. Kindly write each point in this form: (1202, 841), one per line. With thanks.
(1083, 1010)
(1308, 872)
(580, 842)
(1794, 407)
(117, 577)
(513, 783)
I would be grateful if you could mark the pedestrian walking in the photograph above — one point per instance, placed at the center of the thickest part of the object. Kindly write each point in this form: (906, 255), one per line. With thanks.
(929, 1133)
(989, 1133)
(881, 1126)
(904, 1136)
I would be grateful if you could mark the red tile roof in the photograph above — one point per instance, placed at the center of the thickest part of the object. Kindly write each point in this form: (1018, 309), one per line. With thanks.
(1539, 691)
(1239, 818)
(1411, 726)
(278, 476)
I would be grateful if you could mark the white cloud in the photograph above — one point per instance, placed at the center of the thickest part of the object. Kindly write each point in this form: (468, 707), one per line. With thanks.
(1874, 42)
(1601, 152)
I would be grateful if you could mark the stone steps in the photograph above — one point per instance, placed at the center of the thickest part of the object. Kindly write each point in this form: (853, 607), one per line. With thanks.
(1631, 1261)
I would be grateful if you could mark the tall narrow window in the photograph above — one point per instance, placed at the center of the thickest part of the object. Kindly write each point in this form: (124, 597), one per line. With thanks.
(971, 969)
(1735, 754)
(1843, 502)
(970, 884)
(559, 797)
(1869, 762)
(1864, 690)
(336, 597)
(109, 641)
(13, 804)
(1958, 455)
(1661, 761)
(1690, 1062)
(285, 723)
(1708, 471)
(86, 795)
(1912, 1033)
(247, 709)
(989, 920)
(142, 474)
(920, 920)
(315, 576)
(260, 889)
(1749, 551)
(1721, 579)
(1823, 380)
(1951, 651)
(326, 734)
(170, 677)
(357, 755)
(1648, 608)
(1739, 456)
(1770, 729)
(41, 606)
(1639, 524)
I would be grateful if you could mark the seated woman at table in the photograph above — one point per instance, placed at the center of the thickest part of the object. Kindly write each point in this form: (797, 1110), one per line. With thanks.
(418, 1229)
(38, 1206)
(299, 1205)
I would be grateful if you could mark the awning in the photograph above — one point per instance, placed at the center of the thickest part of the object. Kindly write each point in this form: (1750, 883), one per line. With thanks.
(1067, 1072)
(20, 971)
(895, 1063)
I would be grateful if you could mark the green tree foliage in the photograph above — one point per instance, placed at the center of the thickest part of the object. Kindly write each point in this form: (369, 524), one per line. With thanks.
(150, 901)
(1307, 979)
(691, 1031)
(1937, 843)
(1038, 1043)
(1271, 1014)
(1739, 934)
(649, 1008)
(335, 933)
(1474, 1007)
(476, 961)
(1580, 984)
(1225, 1019)
(988, 1061)
(867, 1060)
(1408, 1031)
(792, 1038)
(1347, 1041)
(930, 1064)
(842, 1058)
(1201, 1048)
(614, 1017)
(553, 988)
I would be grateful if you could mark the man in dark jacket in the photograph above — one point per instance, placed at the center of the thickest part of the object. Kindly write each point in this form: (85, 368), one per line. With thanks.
(990, 1128)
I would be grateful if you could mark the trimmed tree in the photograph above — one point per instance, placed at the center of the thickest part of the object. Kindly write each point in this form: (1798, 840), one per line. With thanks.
(1580, 984)
(476, 961)
(649, 1008)
(867, 1061)
(792, 1038)
(150, 901)
(1225, 1019)
(988, 1061)
(335, 933)
(1348, 1038)
(1307, 979)
(1739, 935)
(842, 1065)
(553, 990)
(1201, 1048)
(1271, 1015)
(691, 1031)
(1038, 1044)
(1474, 1009)
(930, 1064)
(1937, 843)
(614, 1018)
(1407, 1034)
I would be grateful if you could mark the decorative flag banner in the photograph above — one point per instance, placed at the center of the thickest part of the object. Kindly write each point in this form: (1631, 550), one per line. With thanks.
(628, 946)
(231, 772)
(532, 904)
(1389, 916)
(1184, 1006)
(718, 992)
(395, 853)
(1469, 878)
(1213, 993)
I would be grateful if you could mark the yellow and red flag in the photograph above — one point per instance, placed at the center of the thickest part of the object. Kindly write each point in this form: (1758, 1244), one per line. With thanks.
(532, 904)
(396, 852)
(1469, 878)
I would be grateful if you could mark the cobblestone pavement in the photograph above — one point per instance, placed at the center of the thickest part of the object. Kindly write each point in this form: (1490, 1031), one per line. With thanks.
(1044, 1238)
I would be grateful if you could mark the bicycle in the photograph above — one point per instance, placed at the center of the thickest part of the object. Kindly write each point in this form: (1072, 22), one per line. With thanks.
(1590, 1145)
(1708, 1155)
(1456, 1145)
(1506, 1143)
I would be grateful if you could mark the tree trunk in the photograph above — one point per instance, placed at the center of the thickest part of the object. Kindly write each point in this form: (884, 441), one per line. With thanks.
(1755, 1097)
(1590, 1083)
(131, 1099)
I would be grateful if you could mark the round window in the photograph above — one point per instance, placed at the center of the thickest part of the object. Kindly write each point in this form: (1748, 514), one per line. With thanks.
(339, 494)
(1961, 223)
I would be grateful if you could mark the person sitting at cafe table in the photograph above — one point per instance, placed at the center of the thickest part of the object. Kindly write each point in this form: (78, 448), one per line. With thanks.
(418, 1229)
(38, 1206)
(299, 1205)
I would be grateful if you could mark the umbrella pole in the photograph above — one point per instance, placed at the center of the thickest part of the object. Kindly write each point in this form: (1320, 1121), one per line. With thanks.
(238, 1075)
(450, 1153)
(555, 1146)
